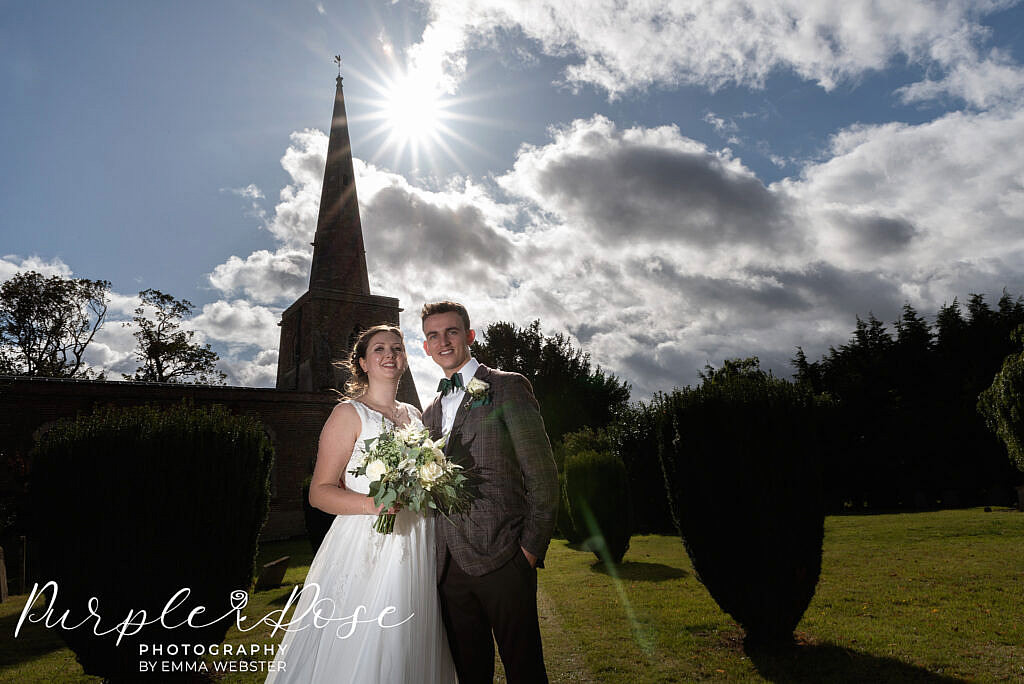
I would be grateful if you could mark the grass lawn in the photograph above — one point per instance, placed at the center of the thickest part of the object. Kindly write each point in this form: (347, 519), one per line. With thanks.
(928, 597)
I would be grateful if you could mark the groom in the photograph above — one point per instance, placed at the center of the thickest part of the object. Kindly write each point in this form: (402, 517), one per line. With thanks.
(488, 557)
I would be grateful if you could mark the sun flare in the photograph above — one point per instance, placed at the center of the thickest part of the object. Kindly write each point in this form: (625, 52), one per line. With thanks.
(412, 110)
(412, 113)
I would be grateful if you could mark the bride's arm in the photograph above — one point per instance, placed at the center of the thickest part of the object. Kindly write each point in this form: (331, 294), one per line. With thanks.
(337, 440)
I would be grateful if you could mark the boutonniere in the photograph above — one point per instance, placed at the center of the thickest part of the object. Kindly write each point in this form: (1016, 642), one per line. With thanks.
(479, 393)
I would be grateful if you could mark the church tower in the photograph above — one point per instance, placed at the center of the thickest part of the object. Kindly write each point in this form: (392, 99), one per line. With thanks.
(323, 324)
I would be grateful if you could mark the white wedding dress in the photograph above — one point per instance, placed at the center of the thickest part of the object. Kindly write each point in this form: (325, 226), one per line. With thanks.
(362, 572)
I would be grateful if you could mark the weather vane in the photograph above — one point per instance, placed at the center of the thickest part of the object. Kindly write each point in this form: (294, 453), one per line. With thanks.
(337, 60)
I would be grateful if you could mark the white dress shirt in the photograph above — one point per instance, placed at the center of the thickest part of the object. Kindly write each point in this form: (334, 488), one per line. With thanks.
(451, 401)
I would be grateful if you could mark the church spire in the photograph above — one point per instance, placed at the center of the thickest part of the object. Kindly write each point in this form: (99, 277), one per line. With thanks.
(339, 259)
(321, 326)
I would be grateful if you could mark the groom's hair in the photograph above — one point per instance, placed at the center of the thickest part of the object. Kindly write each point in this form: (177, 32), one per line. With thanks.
(445, 307)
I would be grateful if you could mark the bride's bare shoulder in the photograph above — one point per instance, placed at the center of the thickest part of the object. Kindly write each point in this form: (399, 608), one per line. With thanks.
(343, 418)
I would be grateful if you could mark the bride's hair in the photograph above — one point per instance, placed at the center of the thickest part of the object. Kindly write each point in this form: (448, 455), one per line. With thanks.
(357, 383)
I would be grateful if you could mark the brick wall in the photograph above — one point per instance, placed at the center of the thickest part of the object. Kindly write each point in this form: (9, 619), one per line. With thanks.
(292, 419)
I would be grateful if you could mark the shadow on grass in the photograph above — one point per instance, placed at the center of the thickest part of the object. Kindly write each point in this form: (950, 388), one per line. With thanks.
(296, 547)
(34, 640)
(868, 512)
(640, 571)
(286, 593)
(815, 663)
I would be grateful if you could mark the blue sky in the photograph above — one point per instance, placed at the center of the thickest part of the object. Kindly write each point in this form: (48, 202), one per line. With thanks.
(674, 186)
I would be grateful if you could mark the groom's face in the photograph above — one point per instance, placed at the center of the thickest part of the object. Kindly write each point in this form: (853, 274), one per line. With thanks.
(447, 340)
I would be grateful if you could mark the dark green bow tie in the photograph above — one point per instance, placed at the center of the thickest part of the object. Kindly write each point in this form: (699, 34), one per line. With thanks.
(450, 384)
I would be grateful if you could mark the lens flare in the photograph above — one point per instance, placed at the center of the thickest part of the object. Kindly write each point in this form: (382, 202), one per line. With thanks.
(413, 114)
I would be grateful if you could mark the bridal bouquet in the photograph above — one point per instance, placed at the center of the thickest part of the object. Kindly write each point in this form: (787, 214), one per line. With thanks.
(407, 469)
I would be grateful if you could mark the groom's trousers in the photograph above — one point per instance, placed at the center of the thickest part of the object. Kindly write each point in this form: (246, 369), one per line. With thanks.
(503, 601)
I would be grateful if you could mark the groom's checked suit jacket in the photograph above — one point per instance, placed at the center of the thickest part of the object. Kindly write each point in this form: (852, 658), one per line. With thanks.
(504, 448)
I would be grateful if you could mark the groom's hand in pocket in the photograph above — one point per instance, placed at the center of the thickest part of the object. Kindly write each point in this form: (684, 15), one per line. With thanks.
(530, 557)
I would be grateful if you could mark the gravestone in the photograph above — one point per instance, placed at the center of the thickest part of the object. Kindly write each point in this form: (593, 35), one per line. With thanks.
(272, 573)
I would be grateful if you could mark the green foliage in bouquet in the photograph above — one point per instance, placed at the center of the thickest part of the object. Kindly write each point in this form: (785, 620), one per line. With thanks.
(132, 505)
(1002, 403)
(409, 470)
(598, 494)
(742, 461)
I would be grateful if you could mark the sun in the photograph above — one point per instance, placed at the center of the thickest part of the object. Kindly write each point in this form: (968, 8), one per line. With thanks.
(412, 110)
(413, 114)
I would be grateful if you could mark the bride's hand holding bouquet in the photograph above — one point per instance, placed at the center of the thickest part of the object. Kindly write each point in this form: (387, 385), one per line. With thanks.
(409, 470)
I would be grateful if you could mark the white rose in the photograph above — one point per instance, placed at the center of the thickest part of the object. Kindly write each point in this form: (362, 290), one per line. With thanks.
(375, 470)
(429, 473)
(477, 387)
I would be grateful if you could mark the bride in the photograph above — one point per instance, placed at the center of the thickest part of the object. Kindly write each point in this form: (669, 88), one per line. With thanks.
(369, 609)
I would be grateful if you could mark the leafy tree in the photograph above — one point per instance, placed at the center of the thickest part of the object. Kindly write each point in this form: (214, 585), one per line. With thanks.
(1002, 403)
(732, 370)
(571, 394)
(584, 439)
(634, 436)
(167, 352)
(903, 427)
(46, 324)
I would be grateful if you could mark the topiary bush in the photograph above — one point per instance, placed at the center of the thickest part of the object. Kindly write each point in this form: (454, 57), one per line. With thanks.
(563, 520)
(741, 458)
(130, 505)
(317, 521)
(598, 496)
(634, 436)
(1002, 404)
(583, 439)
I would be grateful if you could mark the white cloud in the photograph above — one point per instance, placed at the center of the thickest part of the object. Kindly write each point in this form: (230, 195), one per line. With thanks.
(258, 371)
(10, 264)
(686, 258)
(238, 322)
(113, 349)
(658, 253)
(621, 45)
(250, 191)
(650, 184)
(950, 191)
(294, 219)
(267, 277)
(122, 306)
(983, 83)
(254, 195)
(282, 275)
(726, 128)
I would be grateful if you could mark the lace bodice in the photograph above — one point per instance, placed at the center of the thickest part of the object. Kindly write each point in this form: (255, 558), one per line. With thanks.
(374, 422)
